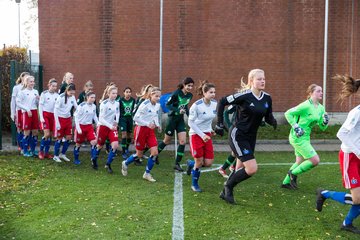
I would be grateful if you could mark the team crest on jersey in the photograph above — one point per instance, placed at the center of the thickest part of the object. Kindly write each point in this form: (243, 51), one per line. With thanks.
(204, 112)
(246, 151)
(252, 105)
(266, 105)
(169, 132)
(354, 181)
(72, 102)
(214, 111)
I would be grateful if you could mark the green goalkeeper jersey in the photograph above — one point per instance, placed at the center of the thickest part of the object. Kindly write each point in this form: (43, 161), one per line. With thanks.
(306, 115)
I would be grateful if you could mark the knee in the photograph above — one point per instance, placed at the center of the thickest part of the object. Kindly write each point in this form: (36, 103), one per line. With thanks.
(115, 145)
(208, 162)
(154, 152)
(93, 142)
(315, 160)
(251, 170)
(355, 199)
(182, 142)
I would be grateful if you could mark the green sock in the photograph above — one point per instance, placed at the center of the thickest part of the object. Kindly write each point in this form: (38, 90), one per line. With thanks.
(128, 142)
(180, 153)
(287, 178)
(161, 146)
(230, 160)
(303, 167)
(123, 144)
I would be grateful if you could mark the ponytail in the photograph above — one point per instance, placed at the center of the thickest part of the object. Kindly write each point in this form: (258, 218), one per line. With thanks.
(70, 87)
(145, 91)
(349, 86)
(20, 78)
(204, 87)
(184, 82)
(110, 86)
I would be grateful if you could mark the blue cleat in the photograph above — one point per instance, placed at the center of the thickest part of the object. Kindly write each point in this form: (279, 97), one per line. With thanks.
(196, 188)
(77, 162)
(28, 154)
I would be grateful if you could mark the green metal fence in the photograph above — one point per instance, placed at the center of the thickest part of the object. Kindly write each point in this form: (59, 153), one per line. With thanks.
(15, 70)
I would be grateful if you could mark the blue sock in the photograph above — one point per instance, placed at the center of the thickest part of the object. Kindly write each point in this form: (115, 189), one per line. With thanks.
(42, 144)
(190, 163)
(76, 153)
(111, 156)
(150, 164)
(47, 145)
(65, 146)
(19, 137)
(93, 152)
(340, 197)
(352, 214)
(57, 147)
(25, 143)
(195, 175)
(33, 143)
(130, 159)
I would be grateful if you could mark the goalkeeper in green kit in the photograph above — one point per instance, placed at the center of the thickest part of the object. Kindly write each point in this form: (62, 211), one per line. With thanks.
(303, 118)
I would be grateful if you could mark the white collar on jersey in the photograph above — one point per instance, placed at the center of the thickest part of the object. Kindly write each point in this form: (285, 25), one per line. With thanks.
(260, 97)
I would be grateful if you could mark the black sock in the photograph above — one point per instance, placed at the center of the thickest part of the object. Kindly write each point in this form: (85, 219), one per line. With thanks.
(237, 177)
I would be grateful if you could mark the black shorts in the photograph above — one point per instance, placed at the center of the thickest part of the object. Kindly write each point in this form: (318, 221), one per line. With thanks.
(243, 146)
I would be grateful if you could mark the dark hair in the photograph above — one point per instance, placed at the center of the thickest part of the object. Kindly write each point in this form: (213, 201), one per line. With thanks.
(184, 82)
(349, 86)
(126, 88)
(89, 93)
(70, 87)
(204, 87)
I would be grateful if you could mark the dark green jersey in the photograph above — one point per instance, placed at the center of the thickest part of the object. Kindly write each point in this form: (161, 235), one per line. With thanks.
(137, 104)
(63, 87)
(178, 101)
(81, 97)
(126, 107)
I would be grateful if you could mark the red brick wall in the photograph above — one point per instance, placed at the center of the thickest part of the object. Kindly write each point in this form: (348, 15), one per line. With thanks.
(218, 41)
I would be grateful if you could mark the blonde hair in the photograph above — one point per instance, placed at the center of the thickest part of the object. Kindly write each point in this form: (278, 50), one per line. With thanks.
(153, 91)
(67, 77)
(251, 76)
(20, 78)
(109, 87)
(88, 84)
(349, 86)
(25, 83)
(145, 90)
(311, 89)
(52, 80)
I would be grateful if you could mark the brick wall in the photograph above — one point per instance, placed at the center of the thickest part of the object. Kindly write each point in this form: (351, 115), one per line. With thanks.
(218, 41)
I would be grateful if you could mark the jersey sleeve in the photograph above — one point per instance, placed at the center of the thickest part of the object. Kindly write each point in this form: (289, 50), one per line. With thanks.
(139, 115)
(20, 101)
(293, 114)
(321, 124)
(41, 104)
(102, 120)
(230, 99)
(77, 114)
(191, 121)
(347, 127)
(170, 104)
(269, 117)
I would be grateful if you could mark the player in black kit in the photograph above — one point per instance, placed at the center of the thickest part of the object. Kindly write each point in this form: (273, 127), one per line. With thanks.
(253, 105)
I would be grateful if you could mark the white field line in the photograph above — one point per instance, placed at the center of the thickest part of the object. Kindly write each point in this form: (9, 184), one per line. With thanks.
(178, 211)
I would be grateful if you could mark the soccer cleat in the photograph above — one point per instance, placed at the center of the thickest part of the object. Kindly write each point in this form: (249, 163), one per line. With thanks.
(293, 179)
(196, 188)
(41, 155)
(48, 156)
(124, 168)
(138, 162)
(223, 173)
(35, 153)
(147, 176)
(56, 159)
(350, 228)
(145, 157)
(178, 168)
(77, 162)
(156, 160)
(232, 168)
(94, 164)
(63, 157)
(108, 168)
(320, 199)
(28, 154)
(227, 195)
(287, 186)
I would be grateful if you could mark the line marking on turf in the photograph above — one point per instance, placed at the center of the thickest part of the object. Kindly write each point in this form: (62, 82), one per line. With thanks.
(178, 210)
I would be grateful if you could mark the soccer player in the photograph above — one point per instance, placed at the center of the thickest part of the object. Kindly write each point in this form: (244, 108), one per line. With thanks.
(178, 106)
(303, 118)
(107, 126)
(47, 119)
(16, 114)
(88, 86)
(85, 115)
(126, 121)
(67, 79)
(27, 100)
(254, 104)
(146, 120)
(349, 159)
(202, 113)
(63, 122)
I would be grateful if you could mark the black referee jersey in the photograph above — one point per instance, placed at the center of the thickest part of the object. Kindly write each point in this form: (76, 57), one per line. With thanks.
(250, 110)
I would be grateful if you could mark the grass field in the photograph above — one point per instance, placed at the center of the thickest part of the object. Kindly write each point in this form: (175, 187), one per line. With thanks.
(40, 199)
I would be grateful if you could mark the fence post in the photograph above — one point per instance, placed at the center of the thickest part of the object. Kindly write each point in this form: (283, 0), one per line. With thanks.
(41, 80)
(12, 84)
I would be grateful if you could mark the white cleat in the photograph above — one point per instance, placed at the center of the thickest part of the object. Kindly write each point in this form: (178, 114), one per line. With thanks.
(63, 157)
(56, 159)
(124, 168)
(223, 173)
(147, 176)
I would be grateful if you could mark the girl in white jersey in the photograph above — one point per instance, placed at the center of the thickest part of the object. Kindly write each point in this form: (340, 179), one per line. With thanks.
(84, 116)
(107, 126)
(27, 100)
(202, 113)
(47, 119)
(146, 120)
(63, 123)
(16, 114)
(349, 159)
